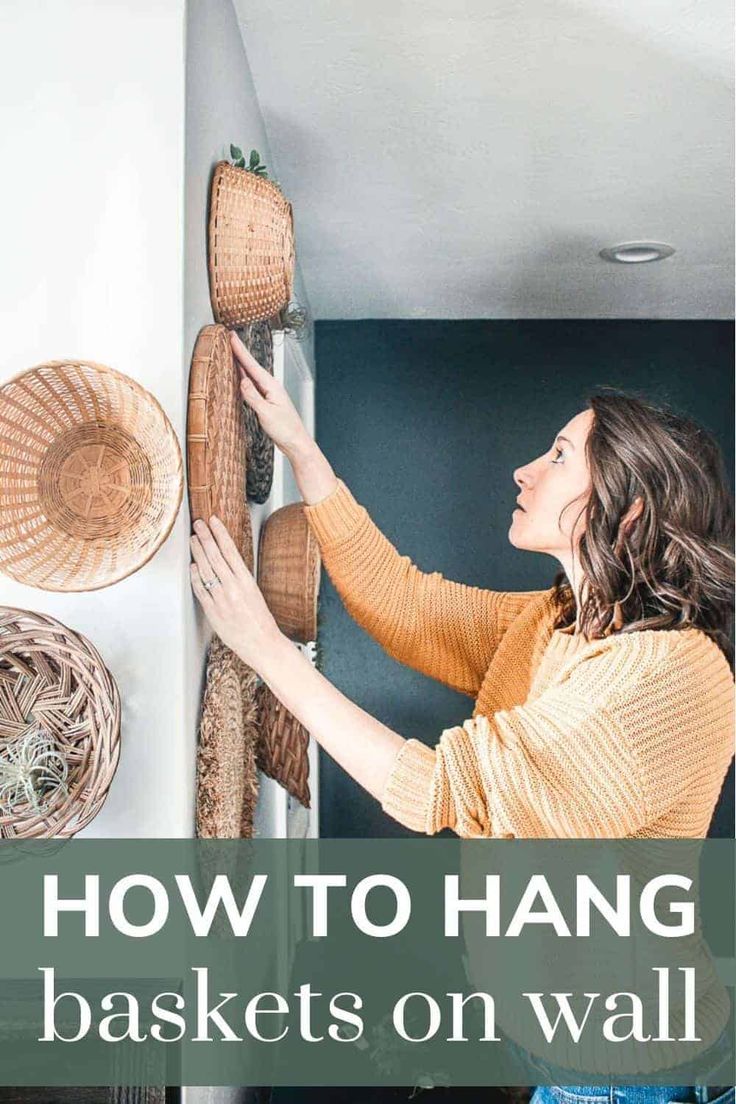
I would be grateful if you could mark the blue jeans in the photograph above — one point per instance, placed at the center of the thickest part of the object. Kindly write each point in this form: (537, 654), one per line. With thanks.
(718, 1056)
(631, 1094)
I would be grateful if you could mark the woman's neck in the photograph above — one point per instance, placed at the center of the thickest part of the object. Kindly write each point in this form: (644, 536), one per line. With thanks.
(576, 579)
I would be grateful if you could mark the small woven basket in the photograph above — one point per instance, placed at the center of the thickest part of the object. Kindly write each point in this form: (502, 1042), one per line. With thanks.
(282, 749)
(251, 247)
(288, 572)
(53, 680)
(90, 476)
(216, 439)
(259, 341)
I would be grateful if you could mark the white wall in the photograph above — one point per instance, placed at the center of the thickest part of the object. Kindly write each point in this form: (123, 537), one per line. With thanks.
(91, 194)
(111, 117)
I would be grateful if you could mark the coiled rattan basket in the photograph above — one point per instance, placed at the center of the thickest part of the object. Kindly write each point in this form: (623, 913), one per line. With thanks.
(53, 680)
(90, 476)
(251, 247)
(217, 443)
(288, 572)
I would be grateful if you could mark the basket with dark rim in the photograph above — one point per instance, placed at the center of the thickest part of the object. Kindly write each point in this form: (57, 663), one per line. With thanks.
(288, 571)
(90, 476)
(282, 749)
(53, 681)
(250, 247)
(216, 439)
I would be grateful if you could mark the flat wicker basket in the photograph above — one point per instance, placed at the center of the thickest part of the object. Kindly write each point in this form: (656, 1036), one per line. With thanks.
(227, 776)
(216, 439)
(251, 247)
(282, 748)
(90, 476)
(288, 572)
(53, 680)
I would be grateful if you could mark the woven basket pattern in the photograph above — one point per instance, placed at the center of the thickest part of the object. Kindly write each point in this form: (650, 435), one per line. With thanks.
(216, 439)
(227, 776)
(53, 679)
(251, 247)
(288, 572)
(282, 749)
(259, 341)
(90, 476)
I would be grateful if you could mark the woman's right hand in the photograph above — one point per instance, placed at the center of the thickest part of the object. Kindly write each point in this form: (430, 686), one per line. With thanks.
(269, 400)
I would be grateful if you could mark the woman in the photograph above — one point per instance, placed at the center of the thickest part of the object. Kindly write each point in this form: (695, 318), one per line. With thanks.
(603, 705)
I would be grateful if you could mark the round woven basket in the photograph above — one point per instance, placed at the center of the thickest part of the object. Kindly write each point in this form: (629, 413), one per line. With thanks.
(288, 572)
(53, 681)
(282, 749)
(251, 247)
(90, 476)
(258, 340)
(216, 439)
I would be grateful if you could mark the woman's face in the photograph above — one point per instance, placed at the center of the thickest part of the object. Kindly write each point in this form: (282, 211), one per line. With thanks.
(557, 479)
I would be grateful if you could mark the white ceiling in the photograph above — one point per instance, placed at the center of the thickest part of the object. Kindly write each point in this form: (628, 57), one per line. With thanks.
(468, 158)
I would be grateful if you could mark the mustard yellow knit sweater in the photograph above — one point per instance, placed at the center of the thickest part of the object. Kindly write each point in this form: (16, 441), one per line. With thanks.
(631, 735)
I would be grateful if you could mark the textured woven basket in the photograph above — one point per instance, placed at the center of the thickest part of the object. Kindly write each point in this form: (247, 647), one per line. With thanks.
(282, 748)
(259, 341)
(227, 777)
(251, 247)
(216, 439)
(53, 679)
(288, 572)
(90, 476)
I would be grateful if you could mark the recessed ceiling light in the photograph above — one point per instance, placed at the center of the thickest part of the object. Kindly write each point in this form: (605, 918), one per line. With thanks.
(637, 252)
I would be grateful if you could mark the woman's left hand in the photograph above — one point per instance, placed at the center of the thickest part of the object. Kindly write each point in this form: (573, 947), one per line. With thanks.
(232, 602)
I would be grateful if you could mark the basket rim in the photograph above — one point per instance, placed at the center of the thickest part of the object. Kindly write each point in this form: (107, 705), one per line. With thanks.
(171, 434)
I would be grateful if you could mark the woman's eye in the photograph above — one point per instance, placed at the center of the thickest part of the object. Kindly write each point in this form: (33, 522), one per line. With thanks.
(559, 455)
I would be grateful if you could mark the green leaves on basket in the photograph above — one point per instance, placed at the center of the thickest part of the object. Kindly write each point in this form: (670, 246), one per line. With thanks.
(255, 165)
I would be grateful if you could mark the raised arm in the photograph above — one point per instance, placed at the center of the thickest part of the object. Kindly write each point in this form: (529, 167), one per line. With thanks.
(444, 629)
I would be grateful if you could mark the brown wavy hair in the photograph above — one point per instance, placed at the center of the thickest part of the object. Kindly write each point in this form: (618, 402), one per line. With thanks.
(672, 567)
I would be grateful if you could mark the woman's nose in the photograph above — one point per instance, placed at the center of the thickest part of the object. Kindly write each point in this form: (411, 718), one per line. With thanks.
(522, 476)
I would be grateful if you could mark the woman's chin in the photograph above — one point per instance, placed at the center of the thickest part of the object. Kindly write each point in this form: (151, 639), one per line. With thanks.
(515, 535)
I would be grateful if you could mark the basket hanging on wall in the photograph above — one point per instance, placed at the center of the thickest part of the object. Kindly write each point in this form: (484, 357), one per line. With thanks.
(90, 476)
(282, 746)
(258, 339)
(59, 727)
(289, 571)
(250, 246)
(216, 439)
(227, 776)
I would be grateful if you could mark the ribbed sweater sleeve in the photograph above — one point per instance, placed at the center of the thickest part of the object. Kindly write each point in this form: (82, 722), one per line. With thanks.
(605, 751)
(444, 629)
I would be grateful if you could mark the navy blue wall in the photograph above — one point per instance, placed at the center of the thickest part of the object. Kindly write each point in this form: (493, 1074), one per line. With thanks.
(425, 421)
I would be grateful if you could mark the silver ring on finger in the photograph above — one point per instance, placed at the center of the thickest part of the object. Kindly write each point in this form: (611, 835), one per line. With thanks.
(208, 584)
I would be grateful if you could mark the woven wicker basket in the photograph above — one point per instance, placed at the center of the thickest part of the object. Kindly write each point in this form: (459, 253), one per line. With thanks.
(251, 247)
(216, 439)
(288, 572)
(54, 680)
(282, 749)
(90, 476)
(227, 778)
(259, 341)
